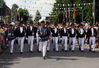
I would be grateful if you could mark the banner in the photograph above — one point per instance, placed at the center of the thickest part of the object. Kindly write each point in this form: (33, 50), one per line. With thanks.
(69, 14)
(93, 7)
(74, 13)
(82, 11)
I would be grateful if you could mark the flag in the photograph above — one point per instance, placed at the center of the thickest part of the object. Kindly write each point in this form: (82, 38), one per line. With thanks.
(93, 7)
(74, 13)
(63, 17)
(69, 14)
(82, 11)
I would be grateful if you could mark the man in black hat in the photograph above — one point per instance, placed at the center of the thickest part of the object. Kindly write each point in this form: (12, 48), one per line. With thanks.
(64, 34)
(30, 35)
(81, 37)
(38, 38)
(55, 33)
(10, 35)
(49, 42)
(72, 37)
(92, 33)
(43, 33)
(21, 37)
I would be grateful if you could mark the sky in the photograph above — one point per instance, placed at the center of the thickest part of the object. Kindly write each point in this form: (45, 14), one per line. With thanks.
(44, 6)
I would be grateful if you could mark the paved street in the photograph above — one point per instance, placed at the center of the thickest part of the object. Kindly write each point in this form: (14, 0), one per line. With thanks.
(75, 59)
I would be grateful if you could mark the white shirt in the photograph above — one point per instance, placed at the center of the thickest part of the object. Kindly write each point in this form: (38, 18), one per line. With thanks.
(55, 30)
(31, 28)
(92, 30)
(21, 29)
(72, 30)
(64, 30)
(81, 31)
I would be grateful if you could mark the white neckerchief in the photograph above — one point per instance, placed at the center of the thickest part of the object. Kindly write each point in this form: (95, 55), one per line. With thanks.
(21, 29)
(92, 30)
(31, 28)
(55, 30)
(64, 30)
(81, 31)
(72, 30)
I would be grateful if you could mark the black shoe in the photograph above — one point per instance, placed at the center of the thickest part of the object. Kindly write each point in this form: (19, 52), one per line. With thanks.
(93, 51)
(48, 51)
(57, 51)
(54, 49)
(11, 53)
(90, 50)
(39, 51)
(82, 51)
(66, 50)
(44, 58)
(62, 49)
(69, 49)
(79, 49)
(72, 50)
(31, 51)
(21, 52)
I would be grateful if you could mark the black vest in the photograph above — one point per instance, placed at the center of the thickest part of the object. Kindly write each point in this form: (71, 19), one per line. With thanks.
(63, 33)
(21, 34)
(70, 33)
(30, 32)
(79, 33)
(90, 32)
(53, 32)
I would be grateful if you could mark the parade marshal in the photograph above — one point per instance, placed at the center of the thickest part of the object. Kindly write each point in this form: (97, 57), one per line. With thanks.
(44, 34)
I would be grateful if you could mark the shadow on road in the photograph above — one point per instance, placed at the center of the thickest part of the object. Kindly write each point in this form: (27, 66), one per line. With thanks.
(7, 60)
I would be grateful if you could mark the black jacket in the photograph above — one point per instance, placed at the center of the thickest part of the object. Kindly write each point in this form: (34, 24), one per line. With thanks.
(29, 32)
(90, 32)
(53, 32)
(70, 33)
(63, 33)
(21, 34)
(79, 35)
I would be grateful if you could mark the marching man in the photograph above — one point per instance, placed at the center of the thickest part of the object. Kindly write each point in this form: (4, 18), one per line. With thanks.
(72, 37)
(38, 38)
(55, 32)
(43, 33)
(30, 35)
(21, 37)
(49, 42)
(10, 35)
(92, 36)
(64, 33)
(81, 38)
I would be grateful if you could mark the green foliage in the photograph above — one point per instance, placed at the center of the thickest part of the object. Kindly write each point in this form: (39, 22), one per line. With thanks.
(87, 11)
(24, 14)
(97, 10)
(0, 3)
(14, 12)
(38, 15)
(56, 10)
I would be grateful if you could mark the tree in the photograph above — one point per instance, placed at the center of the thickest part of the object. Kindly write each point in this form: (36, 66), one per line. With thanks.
(58, 10)
(62, 5)
(37, 16)
(0, 3)
(97, 10)
(30, 18)
(23, 15)
(14, 12)
(88, 13)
